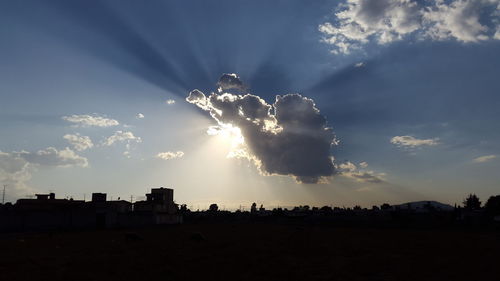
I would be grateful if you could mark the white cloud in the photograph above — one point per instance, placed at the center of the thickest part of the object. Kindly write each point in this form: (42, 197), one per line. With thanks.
(53, 157)
(79, 142)
(483, 159)
(90, 121)
(459, 19)
(358, 22)
(170, 155)
(14, 172)
(120, 136)
(16, 167)
(139, 116)
(359, 64)
(409, 141)
(349, 170)
(170, 101)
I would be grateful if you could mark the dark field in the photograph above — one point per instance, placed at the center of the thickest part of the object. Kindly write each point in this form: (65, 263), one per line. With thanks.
(252, 251)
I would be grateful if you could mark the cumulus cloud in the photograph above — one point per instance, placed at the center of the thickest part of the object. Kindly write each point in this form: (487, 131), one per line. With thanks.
(170, 155)
(483, 159)
(358, 22)
(79, 142)
(170, 101)
(121, 136)
(139, 116)
(410, 141)
(14, 172)
(230, 81)
(460, 20)
(90, 121)
(288, 137)
(16, 167)
(350, 170)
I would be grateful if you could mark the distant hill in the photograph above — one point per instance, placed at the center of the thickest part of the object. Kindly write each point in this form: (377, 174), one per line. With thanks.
(422, 205)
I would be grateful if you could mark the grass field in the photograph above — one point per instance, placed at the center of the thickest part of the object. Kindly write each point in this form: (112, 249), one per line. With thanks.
(251, 251)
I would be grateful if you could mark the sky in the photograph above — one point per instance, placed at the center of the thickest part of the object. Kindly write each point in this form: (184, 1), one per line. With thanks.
(340, 103)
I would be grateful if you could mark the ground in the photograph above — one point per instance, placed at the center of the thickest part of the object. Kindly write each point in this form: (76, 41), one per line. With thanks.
(251, 251)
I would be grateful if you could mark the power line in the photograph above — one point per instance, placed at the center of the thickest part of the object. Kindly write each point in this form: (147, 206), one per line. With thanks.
(3, 194)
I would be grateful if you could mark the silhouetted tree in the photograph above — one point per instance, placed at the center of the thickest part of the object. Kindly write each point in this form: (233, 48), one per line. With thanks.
(357, 208)
(184, 208)
(253, 209)
(326, 209)
(472, 202)
(213, 208)
(277, 211)
(492, 206)
(385, 206)
(262, 209)
(375, 208)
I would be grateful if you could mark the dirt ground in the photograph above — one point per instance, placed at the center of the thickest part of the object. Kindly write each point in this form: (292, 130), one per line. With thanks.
(251, 251)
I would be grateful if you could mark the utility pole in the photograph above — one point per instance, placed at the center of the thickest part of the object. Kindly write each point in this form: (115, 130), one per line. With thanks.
(3, 194)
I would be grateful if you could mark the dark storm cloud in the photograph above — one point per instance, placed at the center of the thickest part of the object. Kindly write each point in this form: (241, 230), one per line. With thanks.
(230, 81)
(288, 137)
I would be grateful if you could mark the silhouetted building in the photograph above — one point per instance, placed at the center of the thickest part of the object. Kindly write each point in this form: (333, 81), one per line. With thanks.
(98, 197)
(50, 196)
(159, 208)
(46, 202)
(159, 200)
(47, 212)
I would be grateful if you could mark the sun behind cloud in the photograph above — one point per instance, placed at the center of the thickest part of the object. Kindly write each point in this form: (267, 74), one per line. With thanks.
(288, 137)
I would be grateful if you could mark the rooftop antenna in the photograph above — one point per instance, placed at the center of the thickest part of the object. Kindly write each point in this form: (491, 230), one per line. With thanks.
(3, 194)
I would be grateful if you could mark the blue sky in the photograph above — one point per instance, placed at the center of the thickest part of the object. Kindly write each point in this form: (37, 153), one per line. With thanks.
(410, 89)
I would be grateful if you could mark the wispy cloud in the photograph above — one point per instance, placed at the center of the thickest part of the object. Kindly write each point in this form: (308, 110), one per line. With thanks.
(482, 159)
(170, 101)
(350, 170)
(410, 141)
(170, 155)
(139, 116)
(121, 136)
(53, 157)
(90, 121)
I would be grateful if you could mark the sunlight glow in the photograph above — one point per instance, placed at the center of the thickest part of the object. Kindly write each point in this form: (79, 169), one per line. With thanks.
(227, 132)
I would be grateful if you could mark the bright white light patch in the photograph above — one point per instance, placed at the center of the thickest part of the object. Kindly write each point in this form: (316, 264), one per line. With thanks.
(228, 132)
